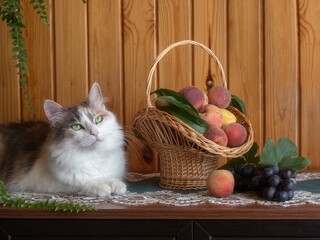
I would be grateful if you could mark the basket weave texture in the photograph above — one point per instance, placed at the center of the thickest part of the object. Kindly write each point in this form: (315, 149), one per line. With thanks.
(186, 157)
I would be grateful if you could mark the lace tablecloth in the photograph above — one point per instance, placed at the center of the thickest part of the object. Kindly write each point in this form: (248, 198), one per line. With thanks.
(144, 190)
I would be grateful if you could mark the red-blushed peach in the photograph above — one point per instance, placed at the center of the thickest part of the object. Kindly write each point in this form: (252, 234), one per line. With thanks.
(212, 115)
(219, 96)
(194, 95)
(236, 133)
(220, 183)
(216, 135)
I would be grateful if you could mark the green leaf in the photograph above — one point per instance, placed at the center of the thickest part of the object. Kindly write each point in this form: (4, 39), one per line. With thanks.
(284, 154)
(176, 95)
(295, 164)
(286, 149)
(233, 163)
(238, 104)
(195, 122)
(176, 102)
(269, 154)
(248, 157)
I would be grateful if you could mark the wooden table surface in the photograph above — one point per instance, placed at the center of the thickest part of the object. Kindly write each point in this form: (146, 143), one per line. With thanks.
(156, 211)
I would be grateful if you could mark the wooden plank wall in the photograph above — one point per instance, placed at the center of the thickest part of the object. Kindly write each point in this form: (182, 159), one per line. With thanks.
(270, 51)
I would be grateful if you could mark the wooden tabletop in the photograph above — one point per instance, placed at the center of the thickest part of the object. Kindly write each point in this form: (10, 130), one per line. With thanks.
(156, 211)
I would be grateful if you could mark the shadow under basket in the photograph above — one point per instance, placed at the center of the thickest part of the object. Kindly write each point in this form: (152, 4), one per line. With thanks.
(184, 168)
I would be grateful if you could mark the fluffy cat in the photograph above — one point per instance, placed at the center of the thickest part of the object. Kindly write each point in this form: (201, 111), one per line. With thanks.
(80, 150)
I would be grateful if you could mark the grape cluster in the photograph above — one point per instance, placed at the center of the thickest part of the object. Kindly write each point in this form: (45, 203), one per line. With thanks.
(273, 183)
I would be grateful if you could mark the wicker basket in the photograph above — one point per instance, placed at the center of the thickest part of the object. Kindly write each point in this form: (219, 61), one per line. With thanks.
(186, 157)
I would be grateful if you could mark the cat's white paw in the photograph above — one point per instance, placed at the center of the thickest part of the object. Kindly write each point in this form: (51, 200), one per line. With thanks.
(101, 189)
(118, 187)
(104, 188)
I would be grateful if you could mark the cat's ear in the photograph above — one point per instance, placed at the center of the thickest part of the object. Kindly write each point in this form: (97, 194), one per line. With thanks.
(53, 111)
(95, 97)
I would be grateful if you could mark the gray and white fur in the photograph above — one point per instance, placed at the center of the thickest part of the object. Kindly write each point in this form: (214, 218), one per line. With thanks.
(79, 150)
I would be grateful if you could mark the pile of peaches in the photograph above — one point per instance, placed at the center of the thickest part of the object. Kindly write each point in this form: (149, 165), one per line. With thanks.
(211, 107)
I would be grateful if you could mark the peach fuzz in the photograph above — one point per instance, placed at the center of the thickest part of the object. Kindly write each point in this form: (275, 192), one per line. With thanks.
(236, 134)
(194, 95)
(220, 183)
(216, 135)
(212, 115)
(219, 96)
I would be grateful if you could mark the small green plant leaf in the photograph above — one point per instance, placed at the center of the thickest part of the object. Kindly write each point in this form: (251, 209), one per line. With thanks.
(238, 104)
(195, 122)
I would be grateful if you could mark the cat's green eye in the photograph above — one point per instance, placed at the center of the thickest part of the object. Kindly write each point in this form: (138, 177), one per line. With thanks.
(98, 119)
(76, 127)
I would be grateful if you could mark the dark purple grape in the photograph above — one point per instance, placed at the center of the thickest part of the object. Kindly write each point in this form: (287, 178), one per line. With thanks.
(267, 172)
(275, 169)
(290, 194)
(269, 193)
(257, 171)
(274, 181)
(239, 168)
(285, 173)
(287, 184)
(247, 171)
(233, 171)
(281, 196)
(255, 183)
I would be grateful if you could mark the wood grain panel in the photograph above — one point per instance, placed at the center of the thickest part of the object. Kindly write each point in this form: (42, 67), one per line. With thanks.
(105, 60)
(281, 70)
(138, 54)
(71, 57)
(309, 82)
(9, 86)
(209, 28)
(39, 44)
(174, 24)
(245, 59)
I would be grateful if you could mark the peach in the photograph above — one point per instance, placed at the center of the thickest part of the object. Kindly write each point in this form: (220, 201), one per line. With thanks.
(212, 115)
(216, 135)
(194, 95)
(219, 96)
(227, 117)
(236, 134)
(220, 183)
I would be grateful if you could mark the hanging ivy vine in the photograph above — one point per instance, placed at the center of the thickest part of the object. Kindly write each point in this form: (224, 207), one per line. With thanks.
(11, 13)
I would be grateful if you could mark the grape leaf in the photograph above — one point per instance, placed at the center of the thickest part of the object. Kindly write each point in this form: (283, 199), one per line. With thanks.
(283, 154)
(295, 164)
(286, 149)
(195, 122)
(269, 154)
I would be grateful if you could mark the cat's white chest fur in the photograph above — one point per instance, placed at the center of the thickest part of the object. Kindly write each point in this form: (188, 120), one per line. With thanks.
(76, 168)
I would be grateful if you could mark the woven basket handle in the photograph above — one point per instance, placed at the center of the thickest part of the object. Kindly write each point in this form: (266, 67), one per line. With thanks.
(165, 51)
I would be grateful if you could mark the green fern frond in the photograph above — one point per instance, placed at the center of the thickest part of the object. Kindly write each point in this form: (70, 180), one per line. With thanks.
(48, 204)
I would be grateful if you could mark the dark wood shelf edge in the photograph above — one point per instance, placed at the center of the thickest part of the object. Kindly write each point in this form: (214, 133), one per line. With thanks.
(200, 212)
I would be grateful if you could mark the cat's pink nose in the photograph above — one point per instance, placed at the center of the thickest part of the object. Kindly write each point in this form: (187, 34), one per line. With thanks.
(94, 133)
